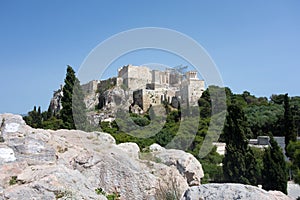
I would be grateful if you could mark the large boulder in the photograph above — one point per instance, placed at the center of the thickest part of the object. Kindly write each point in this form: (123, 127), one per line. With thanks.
(47, 164)
(188, 166)
(231, 191)
(132, 149)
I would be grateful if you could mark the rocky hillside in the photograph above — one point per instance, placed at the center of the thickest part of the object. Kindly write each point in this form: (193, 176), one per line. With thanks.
(71, 164)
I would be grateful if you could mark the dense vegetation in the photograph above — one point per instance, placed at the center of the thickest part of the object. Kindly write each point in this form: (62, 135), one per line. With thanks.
(247, 117)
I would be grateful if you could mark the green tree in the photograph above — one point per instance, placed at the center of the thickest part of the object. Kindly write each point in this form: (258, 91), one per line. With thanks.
(294, 152)
(277, 99)
(239, 164)
(52, 123)
(295, 107)
(289, 124)
(211, 166)
(265, 119)
(79, 108)
(274, 171)
(34, 118)
(74, 109)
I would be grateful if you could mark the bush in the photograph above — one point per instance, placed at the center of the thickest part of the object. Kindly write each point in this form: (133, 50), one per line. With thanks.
(113, 196)
(168, 191)
(13, 180)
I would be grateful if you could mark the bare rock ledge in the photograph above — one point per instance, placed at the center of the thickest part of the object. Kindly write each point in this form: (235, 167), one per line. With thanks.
(72, 164)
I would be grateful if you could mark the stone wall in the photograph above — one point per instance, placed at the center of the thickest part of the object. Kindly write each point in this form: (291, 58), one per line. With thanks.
(146, 98)
(191, 89)
(135, 77)
(161, 86)
(196, 88)
(90, 87)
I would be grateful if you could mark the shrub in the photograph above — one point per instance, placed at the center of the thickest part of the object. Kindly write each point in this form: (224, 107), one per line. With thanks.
(168, 191)
(13, 180)
(113, 196)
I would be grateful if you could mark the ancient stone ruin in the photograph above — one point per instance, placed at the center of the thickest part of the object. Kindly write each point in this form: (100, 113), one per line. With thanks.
(137, 88)
(148, 87)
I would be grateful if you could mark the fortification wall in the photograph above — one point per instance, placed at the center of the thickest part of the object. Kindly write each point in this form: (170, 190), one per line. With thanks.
(196, 88)
(90, 87)
(152, 87)
(135, 77)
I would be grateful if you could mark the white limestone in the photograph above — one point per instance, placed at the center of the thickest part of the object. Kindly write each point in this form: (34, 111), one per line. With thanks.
(7, 155)
(11, 127)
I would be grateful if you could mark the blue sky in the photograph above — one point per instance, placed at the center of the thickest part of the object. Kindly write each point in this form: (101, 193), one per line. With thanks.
(255, 44)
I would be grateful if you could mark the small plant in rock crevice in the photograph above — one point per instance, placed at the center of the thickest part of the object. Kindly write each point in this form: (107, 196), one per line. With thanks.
(64, 194)
(13, 180)
(113, 196)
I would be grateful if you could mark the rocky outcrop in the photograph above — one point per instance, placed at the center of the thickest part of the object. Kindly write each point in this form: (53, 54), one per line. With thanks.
(188, 166)
(46, 164)
(231, 191)
(91, 100)
(55, 103)
(72, 164)
(109, 101)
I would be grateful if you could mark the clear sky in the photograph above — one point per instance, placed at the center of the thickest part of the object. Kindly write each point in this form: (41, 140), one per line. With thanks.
(255, 44)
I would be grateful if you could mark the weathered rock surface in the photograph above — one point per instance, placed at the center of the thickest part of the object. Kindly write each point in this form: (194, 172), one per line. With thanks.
(231, 191)
(188, 166)
(72, 164)
(6, 154)
(131, 148)
(293, 189)
(46, 164)
(55, 103)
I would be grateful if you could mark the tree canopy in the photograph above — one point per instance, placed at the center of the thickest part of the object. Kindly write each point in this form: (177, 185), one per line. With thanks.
(73, 112)
(239, 164)
(274, 171)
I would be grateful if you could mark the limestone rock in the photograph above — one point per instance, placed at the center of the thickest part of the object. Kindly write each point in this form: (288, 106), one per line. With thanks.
(293, 189)
(231, 191)
(91, 100)
(186, 163)
(55, 103)
(131, 148)
(6, 155)
(156, 147)
(72, 164)
(47, 164)
(51, 182)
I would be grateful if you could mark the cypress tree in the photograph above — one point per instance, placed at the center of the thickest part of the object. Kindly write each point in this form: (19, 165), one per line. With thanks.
(239, 164)
(73, 110)
(34, 118)
(289, 124)
(78, 107)
(274, 171)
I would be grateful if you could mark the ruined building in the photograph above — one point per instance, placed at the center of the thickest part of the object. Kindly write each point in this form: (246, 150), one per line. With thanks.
(154, 87)
(139, 86)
